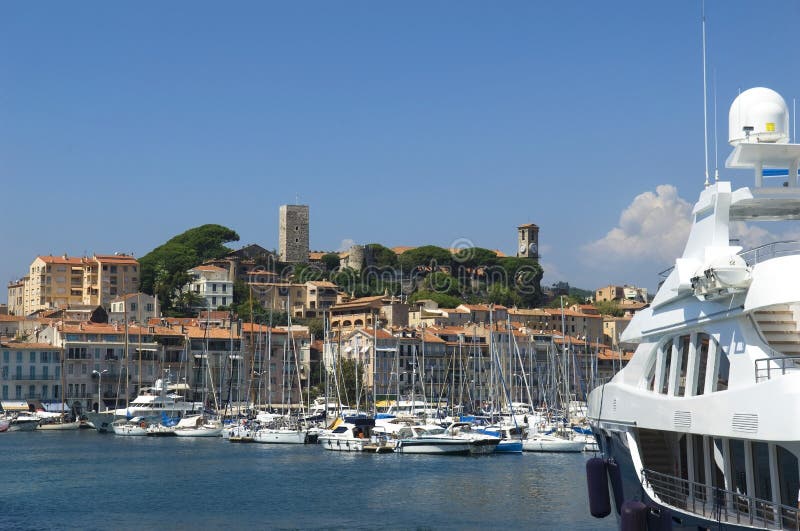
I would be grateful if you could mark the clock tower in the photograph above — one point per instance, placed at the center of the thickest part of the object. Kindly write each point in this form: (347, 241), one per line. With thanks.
(528, 241)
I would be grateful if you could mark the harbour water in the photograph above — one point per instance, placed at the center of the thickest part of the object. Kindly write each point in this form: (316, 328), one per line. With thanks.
(83, 480)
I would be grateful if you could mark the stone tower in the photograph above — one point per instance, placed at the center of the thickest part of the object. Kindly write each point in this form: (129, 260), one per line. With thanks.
(528, 241)
(293, 233)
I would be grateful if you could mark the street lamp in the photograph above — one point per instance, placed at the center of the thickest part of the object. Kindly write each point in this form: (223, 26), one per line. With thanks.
(99, 386)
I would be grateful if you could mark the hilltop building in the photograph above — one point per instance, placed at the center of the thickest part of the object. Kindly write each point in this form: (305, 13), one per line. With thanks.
(528, 241)
(293, 228)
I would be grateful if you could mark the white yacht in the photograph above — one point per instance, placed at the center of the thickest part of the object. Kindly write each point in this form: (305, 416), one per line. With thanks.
(700, 429)
(158, 399)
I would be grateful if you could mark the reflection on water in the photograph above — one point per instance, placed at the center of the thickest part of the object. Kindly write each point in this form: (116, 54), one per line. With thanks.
(82, 480)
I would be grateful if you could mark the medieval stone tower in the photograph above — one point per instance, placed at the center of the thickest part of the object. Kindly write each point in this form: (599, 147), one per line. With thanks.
(293, 233)
(528, 241)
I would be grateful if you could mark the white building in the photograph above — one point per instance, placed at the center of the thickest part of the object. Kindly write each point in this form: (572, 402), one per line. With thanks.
(212, 284)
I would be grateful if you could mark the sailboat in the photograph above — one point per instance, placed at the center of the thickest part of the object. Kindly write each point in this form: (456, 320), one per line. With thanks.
(286, 430)
(59, 421)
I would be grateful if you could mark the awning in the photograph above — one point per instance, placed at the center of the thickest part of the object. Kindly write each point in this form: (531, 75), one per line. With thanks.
(14, 405)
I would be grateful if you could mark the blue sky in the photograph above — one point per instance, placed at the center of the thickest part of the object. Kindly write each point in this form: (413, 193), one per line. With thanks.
(406, 123)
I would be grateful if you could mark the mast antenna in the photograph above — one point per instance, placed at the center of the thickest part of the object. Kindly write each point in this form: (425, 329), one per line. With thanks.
(705, 90)
(716, 142)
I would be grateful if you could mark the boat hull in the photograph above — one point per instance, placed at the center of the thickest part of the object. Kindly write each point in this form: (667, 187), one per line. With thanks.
(340, 444)
(270, 436)
(23, 425)
(433, 447)
(552, 444)
(198, 432)
(59, 426)
(613, 449)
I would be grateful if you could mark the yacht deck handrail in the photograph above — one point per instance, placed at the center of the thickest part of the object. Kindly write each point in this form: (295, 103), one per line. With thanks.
(779, 365)
(720, 504)
(758, 254)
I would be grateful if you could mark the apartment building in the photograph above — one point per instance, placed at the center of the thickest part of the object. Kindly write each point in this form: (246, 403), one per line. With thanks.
(64, 281)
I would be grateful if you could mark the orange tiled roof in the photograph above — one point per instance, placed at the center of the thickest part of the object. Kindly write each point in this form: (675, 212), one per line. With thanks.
(116, 258)
(207, 267)
(50, 259)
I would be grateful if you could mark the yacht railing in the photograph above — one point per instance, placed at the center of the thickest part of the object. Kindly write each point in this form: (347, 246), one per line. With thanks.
(756, 255)
(766, 368)
(770, 250)
(718, 504)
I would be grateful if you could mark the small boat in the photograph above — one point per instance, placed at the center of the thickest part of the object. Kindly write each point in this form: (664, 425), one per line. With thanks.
(198, 426)
(134, 427)
(480, 443)
(58, 423)
(543, 442)
(430, 439)
(510, 438)
(347, 435)
(282, 435)
(24, 422)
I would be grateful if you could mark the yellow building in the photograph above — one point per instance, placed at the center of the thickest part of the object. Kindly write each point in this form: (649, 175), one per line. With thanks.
(62, 281)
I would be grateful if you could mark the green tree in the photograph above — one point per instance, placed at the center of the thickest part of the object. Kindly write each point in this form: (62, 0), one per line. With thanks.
(609, 308)
(330, 261)
(441, 282)
(425, 256)
(350, 377)
(442, 299)
(163, 270)
(381, 256)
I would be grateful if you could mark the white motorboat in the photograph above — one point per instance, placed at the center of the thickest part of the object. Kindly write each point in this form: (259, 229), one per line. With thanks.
(480, 443)
(699, 428)
(430, 439)
(135, 427)
(198, 426)
(280, 435)
(349, 435)
(23, 422)
(543, 442)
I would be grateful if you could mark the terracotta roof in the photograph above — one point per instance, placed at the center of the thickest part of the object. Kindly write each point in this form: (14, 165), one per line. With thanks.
(49, 259)
(322, 284)
(14, 345)
(116, 258)
(197, 332)
(355, 303)
(206, 267)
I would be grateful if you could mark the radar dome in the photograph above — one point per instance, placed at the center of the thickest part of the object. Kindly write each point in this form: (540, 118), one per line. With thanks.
(758, 115)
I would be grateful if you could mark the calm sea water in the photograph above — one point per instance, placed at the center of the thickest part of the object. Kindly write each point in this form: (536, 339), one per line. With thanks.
(85, 480)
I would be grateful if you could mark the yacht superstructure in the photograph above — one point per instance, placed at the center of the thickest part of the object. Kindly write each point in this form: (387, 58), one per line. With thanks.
(700, 429)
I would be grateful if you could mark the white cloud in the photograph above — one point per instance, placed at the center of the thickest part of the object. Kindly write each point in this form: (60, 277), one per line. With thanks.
(346, 244)
(653, 227)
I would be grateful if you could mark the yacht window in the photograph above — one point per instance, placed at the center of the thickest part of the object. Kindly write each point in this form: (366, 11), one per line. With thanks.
(760, 452)
(787, 476)
(700, 381)
(683, 357)
(738, 470)
(650, 375)
(722, 371)
(699, 462)
(667, 367)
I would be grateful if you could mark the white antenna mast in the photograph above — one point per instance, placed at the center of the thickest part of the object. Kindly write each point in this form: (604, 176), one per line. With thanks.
(716, 142)
(705, 90)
